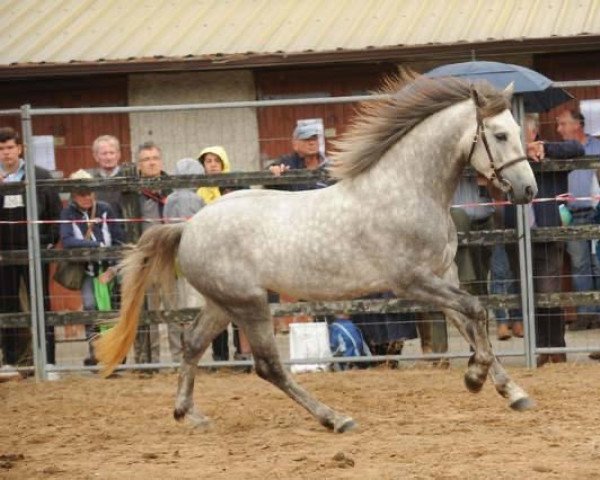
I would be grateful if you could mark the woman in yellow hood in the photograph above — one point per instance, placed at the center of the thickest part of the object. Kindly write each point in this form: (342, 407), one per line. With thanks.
(214, 160)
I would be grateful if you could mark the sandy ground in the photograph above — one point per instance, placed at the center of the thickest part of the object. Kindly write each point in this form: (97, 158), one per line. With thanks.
(414, 423)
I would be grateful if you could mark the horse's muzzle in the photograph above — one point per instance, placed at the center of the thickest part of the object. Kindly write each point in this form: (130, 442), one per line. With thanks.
(526, 195)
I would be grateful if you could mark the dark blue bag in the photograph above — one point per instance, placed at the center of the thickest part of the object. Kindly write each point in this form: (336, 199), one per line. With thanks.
(346, 340)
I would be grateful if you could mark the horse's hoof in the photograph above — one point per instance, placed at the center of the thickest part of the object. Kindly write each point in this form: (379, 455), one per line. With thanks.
(522, 404)
(345, 425)
(473, 383)
(198, 420)
(179, 413)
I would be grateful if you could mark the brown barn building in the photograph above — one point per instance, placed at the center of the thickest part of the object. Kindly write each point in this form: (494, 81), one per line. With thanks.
(91, 53)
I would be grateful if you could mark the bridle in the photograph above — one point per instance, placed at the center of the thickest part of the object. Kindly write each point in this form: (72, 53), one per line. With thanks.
(495, 175)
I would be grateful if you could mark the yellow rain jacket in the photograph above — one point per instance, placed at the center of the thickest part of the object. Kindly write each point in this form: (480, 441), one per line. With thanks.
(210, 194)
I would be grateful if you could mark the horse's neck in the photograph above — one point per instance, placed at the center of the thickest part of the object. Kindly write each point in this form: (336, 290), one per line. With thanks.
(427, 162)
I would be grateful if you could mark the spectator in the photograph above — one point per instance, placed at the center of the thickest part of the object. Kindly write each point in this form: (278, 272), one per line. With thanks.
(502, 281)
(305, 155)
(215, 161)
(14, 279)
(547, 257)
(150, 208)
(183, 203)
(106, 150)
(473, 261)
(585, 267)
(90, 227)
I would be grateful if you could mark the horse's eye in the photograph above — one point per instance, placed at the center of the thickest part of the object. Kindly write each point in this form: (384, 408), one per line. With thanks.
(501, 137)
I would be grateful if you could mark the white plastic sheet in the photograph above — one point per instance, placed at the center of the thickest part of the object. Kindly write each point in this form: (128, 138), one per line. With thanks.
(309, 340)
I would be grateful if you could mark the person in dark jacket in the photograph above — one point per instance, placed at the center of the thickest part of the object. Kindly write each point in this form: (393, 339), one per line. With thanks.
(90, 226)
(150, 207)
(14, 279)
(547, 256)
(305, 155)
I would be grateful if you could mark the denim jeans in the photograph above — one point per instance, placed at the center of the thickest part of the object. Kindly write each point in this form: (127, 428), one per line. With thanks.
(503, 281)
(547, 259)
(585, 267)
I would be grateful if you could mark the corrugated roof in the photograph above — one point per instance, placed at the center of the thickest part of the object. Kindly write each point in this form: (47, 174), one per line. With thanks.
(66, 31)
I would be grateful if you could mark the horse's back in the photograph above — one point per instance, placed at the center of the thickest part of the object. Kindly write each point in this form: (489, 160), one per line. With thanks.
(269, 238)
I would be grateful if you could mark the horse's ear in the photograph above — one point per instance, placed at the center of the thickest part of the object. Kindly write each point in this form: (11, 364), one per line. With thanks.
(509, 91)
(476, 98)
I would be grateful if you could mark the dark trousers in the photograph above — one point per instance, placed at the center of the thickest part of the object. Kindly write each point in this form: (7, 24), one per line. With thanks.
(547, 259)
(16, 341)
(473, 261)
(220, 345)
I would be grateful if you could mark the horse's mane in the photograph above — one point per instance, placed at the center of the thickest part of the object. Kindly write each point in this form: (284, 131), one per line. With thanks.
(382, 123)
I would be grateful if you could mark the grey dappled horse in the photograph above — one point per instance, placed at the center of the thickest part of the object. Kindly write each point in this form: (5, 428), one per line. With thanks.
(384, 226)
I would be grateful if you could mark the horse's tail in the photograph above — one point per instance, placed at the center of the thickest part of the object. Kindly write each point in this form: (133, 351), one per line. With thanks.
(151, 261)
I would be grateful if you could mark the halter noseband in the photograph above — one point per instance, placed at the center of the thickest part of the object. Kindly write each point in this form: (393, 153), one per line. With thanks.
(496, 174)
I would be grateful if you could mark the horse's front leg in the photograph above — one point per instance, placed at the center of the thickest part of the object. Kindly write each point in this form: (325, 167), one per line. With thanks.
(505, 386)
(479, 365)
(470, 319)
(472, 324)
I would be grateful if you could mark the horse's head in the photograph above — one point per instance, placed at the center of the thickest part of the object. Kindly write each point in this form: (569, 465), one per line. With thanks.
(496, 152)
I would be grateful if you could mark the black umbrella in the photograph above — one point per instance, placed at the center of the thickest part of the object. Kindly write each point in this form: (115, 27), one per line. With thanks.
(536, 90)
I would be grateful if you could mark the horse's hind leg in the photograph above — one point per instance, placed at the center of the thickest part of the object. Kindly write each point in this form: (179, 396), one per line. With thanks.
(196, 340)
(256, 322)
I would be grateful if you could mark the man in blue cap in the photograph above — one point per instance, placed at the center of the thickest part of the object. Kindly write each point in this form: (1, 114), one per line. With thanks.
(306, 155)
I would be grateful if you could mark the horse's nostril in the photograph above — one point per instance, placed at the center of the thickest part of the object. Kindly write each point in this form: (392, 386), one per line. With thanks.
(529, 192)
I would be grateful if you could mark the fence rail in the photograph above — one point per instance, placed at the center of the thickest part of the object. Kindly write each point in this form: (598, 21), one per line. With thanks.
(132, 183)
(483, 237)
(542, 300)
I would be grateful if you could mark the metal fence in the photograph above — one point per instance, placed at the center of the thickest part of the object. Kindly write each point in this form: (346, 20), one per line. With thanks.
(35, 256)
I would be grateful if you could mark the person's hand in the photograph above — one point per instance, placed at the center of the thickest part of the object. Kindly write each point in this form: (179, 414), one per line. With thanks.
(277, 170)
(535, 151)
(107, 276)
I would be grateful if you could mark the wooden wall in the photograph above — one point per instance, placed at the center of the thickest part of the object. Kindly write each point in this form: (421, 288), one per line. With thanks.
(276, 124)
(73, 134)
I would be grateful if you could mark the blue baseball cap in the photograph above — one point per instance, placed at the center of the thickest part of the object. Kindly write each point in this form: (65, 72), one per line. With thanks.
(306, 131)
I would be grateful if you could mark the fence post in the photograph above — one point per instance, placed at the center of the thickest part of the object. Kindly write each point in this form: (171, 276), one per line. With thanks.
(36, 288)
(526, 276)
(525, 259)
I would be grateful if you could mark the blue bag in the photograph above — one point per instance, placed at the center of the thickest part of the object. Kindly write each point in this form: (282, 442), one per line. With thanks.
(346, 340)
